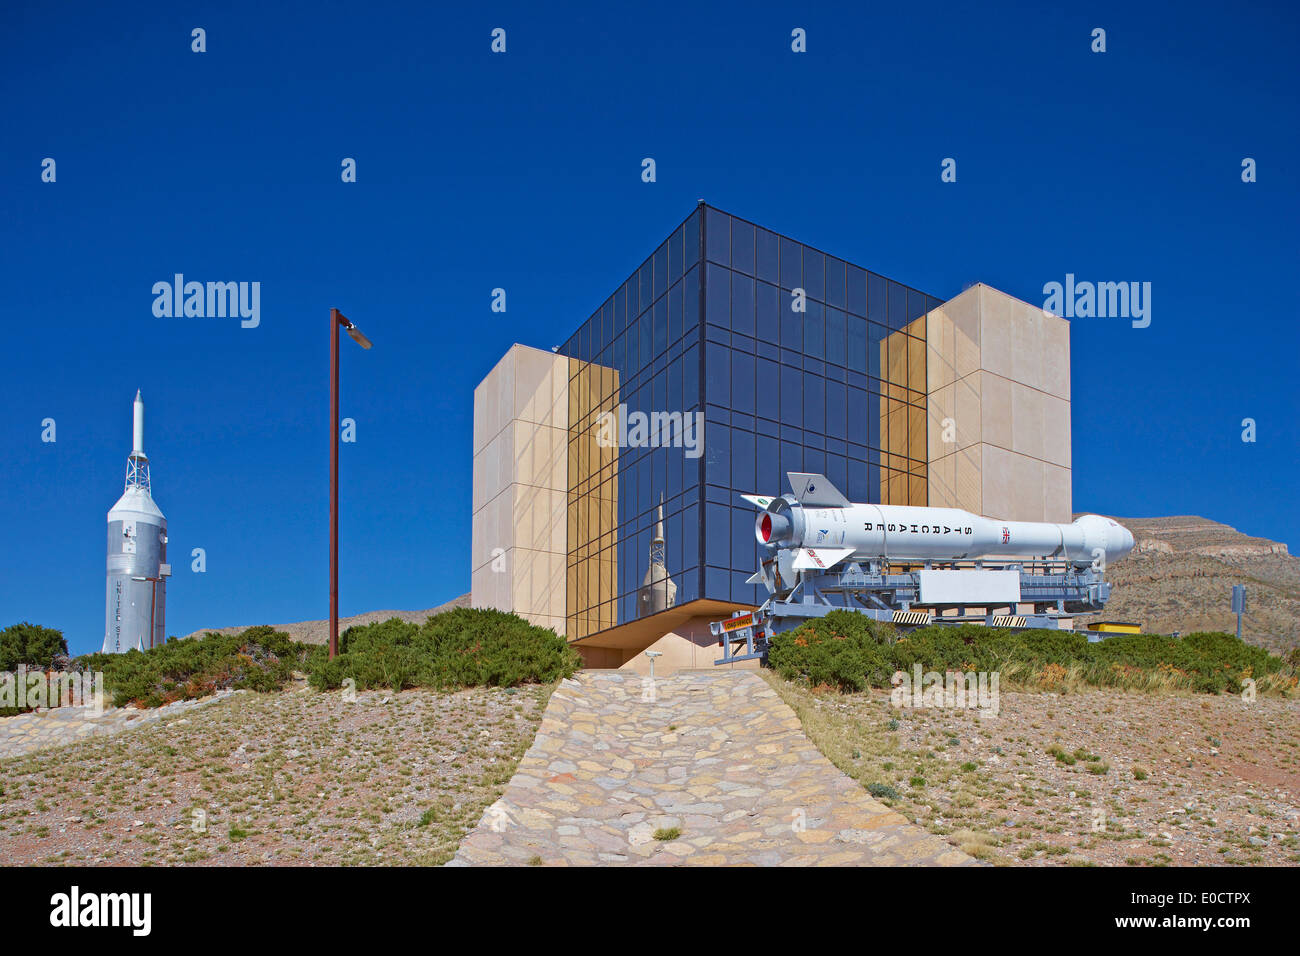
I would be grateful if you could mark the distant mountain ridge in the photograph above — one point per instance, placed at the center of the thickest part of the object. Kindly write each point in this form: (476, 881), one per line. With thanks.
(318, 632)
(1180, 577)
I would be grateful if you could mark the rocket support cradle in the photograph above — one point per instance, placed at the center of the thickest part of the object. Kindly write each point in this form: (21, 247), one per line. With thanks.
(826, 553)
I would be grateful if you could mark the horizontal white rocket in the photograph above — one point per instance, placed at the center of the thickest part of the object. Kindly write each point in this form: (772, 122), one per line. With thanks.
(826, 528)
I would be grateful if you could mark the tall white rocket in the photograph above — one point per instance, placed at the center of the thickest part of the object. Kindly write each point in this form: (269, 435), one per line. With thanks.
(135, 606)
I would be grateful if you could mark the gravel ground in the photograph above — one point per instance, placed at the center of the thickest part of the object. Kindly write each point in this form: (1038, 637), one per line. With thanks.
(289, 778)
(1143, 779)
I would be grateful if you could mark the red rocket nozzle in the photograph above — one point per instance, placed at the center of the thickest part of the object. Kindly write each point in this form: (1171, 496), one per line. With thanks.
(765, 528)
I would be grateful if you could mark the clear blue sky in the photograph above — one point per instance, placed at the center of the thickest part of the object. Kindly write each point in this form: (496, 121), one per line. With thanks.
(522, 171)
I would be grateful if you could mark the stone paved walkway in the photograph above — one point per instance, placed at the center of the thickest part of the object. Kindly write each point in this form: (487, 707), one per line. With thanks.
(56, 726)
(716, 755)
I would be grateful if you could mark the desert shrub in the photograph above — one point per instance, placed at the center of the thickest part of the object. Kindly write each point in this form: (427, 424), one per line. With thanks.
(842, 650)
(1207, 662)
(259, 658)
(463, 647)
(31, 645)
(849, 651)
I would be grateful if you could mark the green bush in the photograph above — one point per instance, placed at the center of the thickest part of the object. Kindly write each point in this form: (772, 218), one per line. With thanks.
(259, 658)
(31, 645)
(464, 647)
(842, 650)
(850, 652)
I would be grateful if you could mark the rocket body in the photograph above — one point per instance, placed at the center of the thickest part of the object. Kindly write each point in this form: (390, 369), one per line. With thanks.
(826, 529)
(136, 593)
(137, 427)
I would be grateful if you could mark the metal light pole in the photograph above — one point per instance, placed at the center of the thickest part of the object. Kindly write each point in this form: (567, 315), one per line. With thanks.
(337, 319)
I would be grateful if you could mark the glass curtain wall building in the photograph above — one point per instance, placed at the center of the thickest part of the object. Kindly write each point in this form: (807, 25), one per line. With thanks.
(799, 361)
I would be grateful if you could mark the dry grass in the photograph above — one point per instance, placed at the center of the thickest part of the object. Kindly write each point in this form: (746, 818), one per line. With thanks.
(1085, 777)
(287, 778)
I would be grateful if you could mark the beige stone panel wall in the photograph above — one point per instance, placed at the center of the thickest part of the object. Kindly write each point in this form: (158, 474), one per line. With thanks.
(520, 486)
(1056, 431)
(541, 387)
(942, 478)
(493, 467)
(537, 583)
(494, 400)
(492, 527)
(940, 350)
(995, 410)
(539, 516)
(941, 406)
(1056, 356)
(1057, 494)
(968, 474)
(999, 483)
(1027, 420)
(490, 588)
(1000, 368)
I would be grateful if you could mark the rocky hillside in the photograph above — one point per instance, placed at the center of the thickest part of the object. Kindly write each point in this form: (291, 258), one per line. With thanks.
(1180, 577)
(317, 632)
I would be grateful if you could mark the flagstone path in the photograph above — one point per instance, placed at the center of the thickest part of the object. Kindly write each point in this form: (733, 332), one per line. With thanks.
(619, 763)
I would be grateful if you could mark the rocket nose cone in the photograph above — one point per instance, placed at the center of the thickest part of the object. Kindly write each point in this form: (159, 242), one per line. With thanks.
(137, 396)
(1119, 543)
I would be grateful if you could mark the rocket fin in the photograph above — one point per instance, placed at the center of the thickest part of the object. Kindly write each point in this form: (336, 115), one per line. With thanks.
(759, 501)
(816, 491)
(820, 559)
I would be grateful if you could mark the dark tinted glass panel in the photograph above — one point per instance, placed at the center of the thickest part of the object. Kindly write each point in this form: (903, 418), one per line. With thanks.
(742, 246)
(661, 271)
(691, 300)
(742, 382)
(896, 297)
(675, 313)
(856, 346)
(742, 304)
(791, 323)
(856, 290)
(767, 307)
(875, 298)
(814, 403)
(717, 369)
(814, 331)
(791, 265)
(766, 255)
(835, 410)
(791, 396)
(875, 335)
(691, 377)
(916, 302)
(768, 389)
(814, 274)
(742, 465)
(835, 282)
(835, 337)
(646, 280)
(717, 234)
(717, 454)
(717, 298)
(661, 326)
